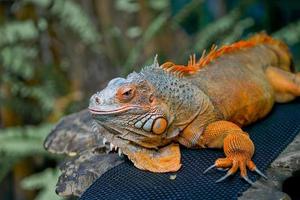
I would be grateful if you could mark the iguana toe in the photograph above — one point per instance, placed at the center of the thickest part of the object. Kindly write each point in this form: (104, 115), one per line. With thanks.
(234, 163)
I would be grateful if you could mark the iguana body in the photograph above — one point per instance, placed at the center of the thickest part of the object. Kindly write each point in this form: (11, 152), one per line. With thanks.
(201, 105)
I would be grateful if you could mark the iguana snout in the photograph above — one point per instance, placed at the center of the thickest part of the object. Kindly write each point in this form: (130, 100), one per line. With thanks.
(117, 97)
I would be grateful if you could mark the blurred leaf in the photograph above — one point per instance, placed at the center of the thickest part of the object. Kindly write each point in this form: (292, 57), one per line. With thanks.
(46, 181)
(290, 34)
(24, 141)
(19, 60)
(42, 3)
(186, 10)
(19, 142)
(159, 5)
(16, 31)
(134, 32)
(6, 164)
(150, 32)
(42, 24)
(238, 31)
(212, 31)
(72, 16)
(129, 6)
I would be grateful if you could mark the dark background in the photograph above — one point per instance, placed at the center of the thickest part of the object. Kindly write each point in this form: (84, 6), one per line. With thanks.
(55, 53)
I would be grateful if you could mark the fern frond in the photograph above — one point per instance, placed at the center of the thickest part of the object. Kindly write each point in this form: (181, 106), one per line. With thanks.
(151, 31)
(24, 141)
(127, 6)
(290, 34)
(6, 164)
(212, 31)
(71, 15)
(238, 30)
(46, 181)
(18, 60)
(16, 31)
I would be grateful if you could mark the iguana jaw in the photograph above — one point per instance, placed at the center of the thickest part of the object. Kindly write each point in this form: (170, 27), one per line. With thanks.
(161, 159)
(99, 111)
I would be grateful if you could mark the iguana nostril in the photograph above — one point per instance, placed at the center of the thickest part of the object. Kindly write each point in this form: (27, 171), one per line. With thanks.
(97, 99)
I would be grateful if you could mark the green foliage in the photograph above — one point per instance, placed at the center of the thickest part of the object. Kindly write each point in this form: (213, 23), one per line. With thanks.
(149, 33)
(134, 32)
(7, 163)
(71, 15)
(290, 34)
(186, 10)
(23, 141)
(18, 59)
(212, 32)
(45, 181)
(238, 30)
(19, 142)
(25, 76)
(16, 31)
(33, 77)
(159, 5)
(129, 6)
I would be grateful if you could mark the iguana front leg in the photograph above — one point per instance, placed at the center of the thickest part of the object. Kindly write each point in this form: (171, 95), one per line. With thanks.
(237, 146)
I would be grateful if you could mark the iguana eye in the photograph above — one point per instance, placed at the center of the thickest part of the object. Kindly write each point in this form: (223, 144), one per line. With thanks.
(125, 93)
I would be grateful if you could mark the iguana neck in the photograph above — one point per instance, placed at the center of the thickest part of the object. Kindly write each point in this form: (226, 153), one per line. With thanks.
(183, 98)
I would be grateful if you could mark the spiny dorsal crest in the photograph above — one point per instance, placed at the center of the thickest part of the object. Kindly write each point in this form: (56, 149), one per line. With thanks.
(194, 66)
(153, 65)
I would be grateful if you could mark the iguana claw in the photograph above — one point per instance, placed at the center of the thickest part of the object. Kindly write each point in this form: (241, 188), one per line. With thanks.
(232, 171)
(221, 169)
(209, 168)
(260, 173)
(224, 177)
(246, 178)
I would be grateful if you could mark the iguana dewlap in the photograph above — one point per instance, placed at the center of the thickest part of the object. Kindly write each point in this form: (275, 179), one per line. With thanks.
(201, 105)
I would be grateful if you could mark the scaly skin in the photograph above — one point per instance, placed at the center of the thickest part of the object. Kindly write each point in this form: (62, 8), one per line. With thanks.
(201, 105)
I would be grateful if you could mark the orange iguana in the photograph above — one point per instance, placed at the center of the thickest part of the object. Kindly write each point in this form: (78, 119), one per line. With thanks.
(201, 105)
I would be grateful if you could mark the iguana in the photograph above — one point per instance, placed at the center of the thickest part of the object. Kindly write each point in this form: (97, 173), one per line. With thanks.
(203, 104)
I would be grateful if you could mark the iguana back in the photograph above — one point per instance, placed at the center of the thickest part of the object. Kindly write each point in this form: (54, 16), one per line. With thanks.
(234, 77)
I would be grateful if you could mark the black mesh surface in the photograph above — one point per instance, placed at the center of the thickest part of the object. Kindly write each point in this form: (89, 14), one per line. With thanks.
(270, 136)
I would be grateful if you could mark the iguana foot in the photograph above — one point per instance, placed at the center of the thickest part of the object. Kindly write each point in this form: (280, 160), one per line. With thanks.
(286, 84)
(233, 163)
(237, 146)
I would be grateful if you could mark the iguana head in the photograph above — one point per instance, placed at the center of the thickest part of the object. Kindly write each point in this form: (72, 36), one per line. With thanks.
(144, 113)
(131, 111)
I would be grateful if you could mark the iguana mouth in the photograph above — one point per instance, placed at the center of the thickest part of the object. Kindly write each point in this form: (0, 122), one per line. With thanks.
(113, 111)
